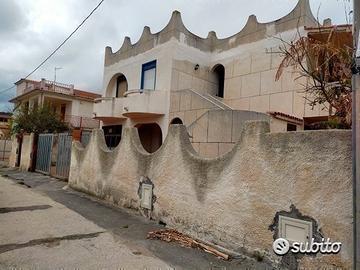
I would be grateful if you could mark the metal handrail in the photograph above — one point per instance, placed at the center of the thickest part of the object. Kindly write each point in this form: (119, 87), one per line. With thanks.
(219, 101)
(202, 96)
(209, 99)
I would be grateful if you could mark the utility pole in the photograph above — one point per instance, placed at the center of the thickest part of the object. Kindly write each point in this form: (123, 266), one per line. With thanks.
(356, 134)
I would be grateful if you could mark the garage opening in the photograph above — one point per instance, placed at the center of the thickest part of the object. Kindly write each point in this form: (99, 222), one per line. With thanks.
(219, 71)
(150, 136)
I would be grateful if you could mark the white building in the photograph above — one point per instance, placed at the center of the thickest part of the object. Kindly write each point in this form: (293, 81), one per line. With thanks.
(209, 84)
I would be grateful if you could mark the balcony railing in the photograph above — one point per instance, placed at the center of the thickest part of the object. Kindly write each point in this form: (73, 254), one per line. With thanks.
(109, 107)
(75, 121)
(46, 85)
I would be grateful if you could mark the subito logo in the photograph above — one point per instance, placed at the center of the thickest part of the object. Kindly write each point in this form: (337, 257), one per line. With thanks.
(281, 246)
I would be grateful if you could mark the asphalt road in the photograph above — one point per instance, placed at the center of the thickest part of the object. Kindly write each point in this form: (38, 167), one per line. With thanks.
(44, 225)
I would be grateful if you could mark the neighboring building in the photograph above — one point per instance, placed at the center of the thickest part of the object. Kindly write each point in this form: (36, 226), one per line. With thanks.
(211, 85)
(72, 105)
(339, 35)
(4, 125)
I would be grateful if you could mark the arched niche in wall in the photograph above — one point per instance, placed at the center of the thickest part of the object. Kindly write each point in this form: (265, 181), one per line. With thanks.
(117, 86)
(176, 121)
(219, 71)
(150, 136)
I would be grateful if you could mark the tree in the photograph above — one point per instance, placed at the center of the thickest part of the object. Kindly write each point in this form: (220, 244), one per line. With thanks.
(326, 65)
(36, 120)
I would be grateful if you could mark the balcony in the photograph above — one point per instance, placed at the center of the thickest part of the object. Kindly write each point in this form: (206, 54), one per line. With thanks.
(135, 104)
(51, 86)
(109, 109)
(75, 121)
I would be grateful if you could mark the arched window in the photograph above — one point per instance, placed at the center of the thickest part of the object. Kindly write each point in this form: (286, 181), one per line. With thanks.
(219, 71)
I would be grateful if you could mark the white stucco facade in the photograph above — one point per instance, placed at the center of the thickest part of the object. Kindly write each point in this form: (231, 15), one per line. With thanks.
(187, 69)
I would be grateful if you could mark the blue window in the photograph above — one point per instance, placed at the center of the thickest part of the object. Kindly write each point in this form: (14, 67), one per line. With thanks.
(148, 75)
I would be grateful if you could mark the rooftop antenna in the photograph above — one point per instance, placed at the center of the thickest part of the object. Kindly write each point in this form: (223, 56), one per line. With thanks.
(55, 69)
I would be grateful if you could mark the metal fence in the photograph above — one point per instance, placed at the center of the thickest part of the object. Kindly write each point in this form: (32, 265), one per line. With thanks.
(43, 154)
(63, 155)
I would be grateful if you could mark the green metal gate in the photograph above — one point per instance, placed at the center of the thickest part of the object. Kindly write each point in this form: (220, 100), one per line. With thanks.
(63, 155)
(43, 154)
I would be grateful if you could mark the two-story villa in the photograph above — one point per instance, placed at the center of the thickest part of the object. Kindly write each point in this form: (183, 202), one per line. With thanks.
(72, 105)
(211, 85)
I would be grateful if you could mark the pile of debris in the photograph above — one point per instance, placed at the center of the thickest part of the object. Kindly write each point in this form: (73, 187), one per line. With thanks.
(170, 235)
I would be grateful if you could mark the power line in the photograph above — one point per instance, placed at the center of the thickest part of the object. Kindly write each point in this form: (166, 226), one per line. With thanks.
(58, 47)
(7, 89)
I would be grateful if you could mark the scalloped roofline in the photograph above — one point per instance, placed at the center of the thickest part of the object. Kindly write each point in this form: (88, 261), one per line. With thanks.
(300, 15)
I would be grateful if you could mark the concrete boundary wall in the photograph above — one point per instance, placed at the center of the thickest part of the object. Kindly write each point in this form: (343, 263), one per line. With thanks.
(14, 150)
(233, 200)
(26, 152)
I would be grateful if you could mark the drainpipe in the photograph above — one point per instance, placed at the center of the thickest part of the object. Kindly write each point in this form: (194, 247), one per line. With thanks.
(356, 136)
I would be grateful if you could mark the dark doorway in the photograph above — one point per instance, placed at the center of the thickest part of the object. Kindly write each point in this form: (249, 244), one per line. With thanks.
(150, 136)
(121, 86)
(18, 154)
(219, 71)
(176, 121)
(62, 112)
(112, 135)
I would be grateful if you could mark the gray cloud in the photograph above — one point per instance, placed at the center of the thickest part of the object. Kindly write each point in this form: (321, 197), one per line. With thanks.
(12, 18)
(25, 42)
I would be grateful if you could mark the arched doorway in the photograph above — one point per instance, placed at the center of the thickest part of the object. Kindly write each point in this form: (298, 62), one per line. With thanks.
(121, 86)
(219, 71)
(117, 86)
(176, 121)
(150, 136)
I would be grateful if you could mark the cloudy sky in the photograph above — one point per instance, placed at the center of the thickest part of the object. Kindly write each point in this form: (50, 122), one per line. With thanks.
(31, 29)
